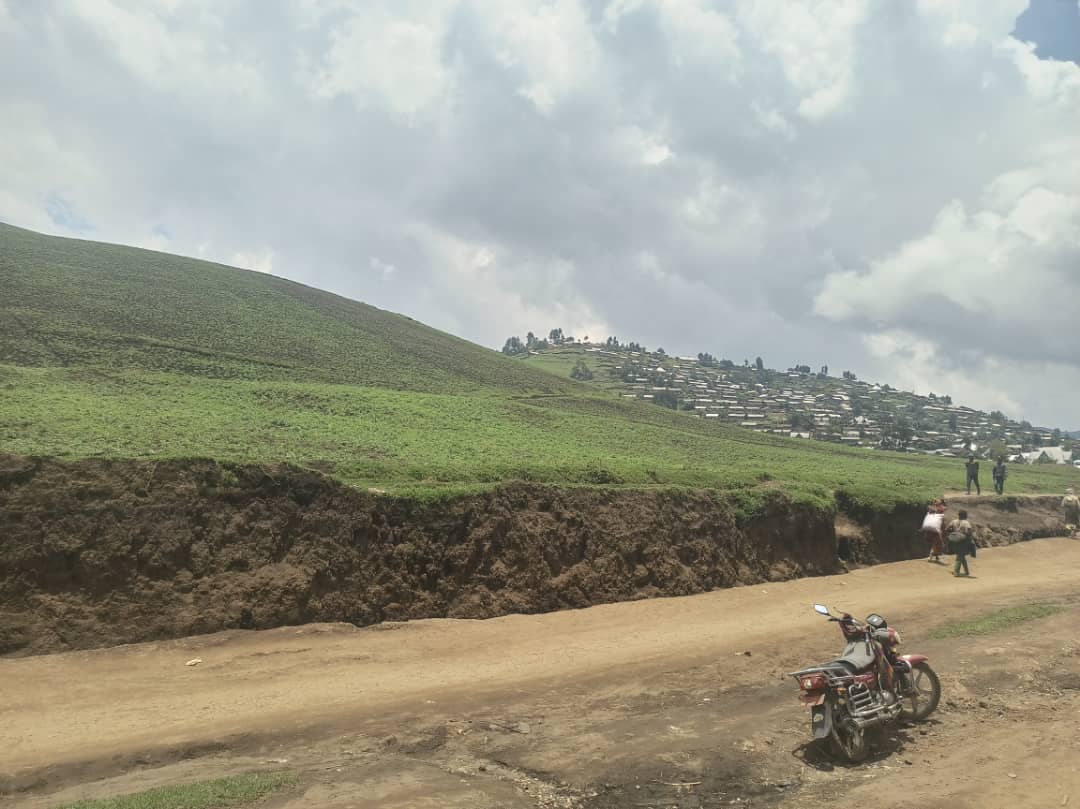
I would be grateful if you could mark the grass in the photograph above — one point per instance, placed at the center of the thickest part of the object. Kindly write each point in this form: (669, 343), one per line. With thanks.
(996, 621)
(235, 790)
(109, 351)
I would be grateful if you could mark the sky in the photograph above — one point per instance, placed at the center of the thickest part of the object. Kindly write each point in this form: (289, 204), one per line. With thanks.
(887, 188)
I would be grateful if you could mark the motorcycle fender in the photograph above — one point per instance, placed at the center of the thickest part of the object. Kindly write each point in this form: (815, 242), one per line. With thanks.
(811, 698)
(914, 660)
(821, 720)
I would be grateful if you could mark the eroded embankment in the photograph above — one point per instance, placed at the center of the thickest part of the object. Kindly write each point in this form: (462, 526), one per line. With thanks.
(870, 537)
(96, 553)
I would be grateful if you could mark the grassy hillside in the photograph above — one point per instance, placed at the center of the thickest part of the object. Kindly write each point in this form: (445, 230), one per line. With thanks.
(72, 303)
(114, 351)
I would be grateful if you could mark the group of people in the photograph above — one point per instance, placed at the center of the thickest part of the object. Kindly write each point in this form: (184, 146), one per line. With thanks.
(958, 537)
(999, 473)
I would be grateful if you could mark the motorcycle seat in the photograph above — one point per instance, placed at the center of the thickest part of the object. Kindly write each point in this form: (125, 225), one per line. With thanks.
(856, 658)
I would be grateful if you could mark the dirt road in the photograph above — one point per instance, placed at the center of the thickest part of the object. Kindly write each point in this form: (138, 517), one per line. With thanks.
(670, 702)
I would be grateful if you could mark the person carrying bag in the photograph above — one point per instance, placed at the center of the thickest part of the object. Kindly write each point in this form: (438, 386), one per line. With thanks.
(961, 538)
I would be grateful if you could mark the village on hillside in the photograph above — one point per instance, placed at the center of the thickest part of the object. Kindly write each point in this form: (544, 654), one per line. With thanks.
(801, 402)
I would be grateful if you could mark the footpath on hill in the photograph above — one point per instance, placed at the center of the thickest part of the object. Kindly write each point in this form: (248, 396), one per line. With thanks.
(602, 707)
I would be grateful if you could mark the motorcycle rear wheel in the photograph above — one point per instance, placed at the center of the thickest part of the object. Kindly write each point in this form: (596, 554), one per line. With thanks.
(848, 741)
(923, 697)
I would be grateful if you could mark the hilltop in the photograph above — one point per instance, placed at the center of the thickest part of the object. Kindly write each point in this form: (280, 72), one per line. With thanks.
(116, 352)
(799, 402)
(73, 303)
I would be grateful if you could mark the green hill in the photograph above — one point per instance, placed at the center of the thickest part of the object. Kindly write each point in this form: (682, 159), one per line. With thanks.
(73, 303)
(119, 352)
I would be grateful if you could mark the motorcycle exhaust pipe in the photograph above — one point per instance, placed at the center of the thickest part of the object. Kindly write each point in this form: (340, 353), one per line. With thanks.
(868, 722)
(882, 715)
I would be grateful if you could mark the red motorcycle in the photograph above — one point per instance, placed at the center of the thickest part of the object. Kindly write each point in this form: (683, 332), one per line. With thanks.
(867, 686)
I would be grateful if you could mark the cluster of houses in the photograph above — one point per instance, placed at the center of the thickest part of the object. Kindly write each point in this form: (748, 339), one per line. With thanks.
(800, 404)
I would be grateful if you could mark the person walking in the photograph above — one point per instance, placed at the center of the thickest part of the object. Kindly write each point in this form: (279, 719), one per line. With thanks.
(931, 530)
(1070, 505)
(999, 475)
(972, 467)
(961, 542)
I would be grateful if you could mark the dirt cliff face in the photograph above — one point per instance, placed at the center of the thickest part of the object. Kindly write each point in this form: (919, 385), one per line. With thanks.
(95, 553)
(870, 537)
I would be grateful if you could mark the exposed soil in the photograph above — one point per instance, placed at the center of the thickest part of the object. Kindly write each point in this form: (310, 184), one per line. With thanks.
(680, 702)
(97, 553)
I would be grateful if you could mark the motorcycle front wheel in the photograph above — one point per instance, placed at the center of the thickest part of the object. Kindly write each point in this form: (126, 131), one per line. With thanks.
(848, 741)
(923, 692)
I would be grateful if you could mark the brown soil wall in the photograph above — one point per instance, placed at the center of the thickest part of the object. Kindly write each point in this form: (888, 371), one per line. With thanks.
(96, 553)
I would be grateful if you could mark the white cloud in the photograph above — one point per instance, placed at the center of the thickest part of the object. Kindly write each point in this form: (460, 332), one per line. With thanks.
(378, 58)
(915, 365)
(385, 269)
(510, 294)
(259, 260)
(814, 40)
(887, 187)
(549, 47)
(642, 147)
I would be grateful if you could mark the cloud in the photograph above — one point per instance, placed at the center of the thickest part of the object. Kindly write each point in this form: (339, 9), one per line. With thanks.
(378, 58)
(890, 188)
(260, 262)
(987, 284)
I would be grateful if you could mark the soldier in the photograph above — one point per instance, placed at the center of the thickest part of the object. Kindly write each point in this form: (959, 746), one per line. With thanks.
(999, 475)
(972, 467)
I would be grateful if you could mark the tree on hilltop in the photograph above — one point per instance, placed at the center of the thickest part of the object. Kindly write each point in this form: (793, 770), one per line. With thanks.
(534, 343)
(513, 346)
(581, 371)
(759, 363)
(667, 398)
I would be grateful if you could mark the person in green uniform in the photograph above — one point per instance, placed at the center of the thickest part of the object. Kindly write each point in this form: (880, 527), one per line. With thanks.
(1000, 473)
(972, 467)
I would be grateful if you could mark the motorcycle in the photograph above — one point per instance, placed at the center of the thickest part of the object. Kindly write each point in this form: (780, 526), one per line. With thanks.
(867, 686)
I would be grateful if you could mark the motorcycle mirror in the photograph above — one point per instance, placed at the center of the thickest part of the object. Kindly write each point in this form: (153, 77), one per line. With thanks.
(821, 609)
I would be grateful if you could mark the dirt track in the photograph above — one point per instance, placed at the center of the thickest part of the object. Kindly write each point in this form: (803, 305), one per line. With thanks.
(617, 705)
